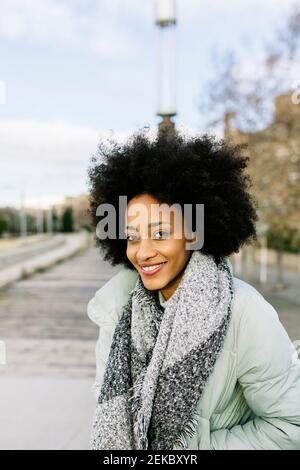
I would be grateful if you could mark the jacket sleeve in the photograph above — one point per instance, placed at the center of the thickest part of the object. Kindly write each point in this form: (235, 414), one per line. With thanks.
(269, 373)
(105, 309)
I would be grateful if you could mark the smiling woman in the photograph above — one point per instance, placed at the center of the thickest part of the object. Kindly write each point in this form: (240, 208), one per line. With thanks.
(160, 259)
(188, 355)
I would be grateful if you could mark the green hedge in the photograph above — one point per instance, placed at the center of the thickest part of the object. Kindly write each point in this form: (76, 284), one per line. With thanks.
(287, 240)
(3, 226)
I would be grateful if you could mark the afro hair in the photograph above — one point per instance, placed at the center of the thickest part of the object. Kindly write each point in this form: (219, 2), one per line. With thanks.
(177, 169)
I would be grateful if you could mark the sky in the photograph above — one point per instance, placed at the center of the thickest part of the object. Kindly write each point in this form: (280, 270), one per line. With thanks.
(75, 71)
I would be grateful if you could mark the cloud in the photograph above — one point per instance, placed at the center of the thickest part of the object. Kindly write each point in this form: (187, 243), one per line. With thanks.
(114, 44)
(111, 28)
(43, 19)
(194, 10)
(46, 160)
(43, 162)
(100, 28)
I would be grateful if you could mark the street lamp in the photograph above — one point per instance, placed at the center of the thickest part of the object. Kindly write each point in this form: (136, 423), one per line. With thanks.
(23, 216)
(166, 22)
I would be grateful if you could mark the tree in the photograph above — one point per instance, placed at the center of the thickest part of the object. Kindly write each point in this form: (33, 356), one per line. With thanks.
(3, 226)
(245, 106)
(56, 222)
(248, 100)
(67, 220)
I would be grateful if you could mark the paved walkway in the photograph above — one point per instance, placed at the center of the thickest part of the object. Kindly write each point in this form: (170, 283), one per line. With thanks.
(45, 413)
(16, 254)
(45, 389)
(23, 262)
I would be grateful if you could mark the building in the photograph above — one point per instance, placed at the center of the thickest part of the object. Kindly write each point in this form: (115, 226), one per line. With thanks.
(274, 163)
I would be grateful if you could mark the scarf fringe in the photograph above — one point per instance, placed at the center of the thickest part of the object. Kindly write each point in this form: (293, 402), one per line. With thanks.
(142, 422)
(142, 428)
(188, 432)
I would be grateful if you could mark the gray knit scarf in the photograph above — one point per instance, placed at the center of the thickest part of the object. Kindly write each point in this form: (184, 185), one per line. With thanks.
(160, 360)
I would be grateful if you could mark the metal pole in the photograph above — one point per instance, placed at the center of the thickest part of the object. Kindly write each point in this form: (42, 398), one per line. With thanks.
(166, 22)
(50, 221)
(40, 221)
(23, 217)
(263, 267)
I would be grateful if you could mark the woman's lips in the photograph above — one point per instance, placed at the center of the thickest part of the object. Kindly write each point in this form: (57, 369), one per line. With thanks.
(152, 271)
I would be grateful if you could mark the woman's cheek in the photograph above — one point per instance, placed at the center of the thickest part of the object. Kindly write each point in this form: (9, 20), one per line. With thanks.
(130, 253)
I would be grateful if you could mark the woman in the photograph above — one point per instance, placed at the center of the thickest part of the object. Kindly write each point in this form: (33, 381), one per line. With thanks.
(188, 355)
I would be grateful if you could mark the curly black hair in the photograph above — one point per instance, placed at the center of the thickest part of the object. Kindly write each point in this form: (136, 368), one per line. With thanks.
(177, 169)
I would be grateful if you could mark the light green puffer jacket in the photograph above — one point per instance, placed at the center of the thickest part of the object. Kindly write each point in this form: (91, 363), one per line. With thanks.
(252, 398)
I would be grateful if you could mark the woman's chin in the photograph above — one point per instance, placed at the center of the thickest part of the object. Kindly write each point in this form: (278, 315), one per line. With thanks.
(153, 284)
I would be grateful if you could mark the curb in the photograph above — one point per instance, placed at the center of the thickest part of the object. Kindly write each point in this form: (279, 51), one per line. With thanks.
(75, 244)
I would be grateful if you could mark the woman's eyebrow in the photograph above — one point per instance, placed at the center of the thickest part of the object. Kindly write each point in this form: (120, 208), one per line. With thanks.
(153, 224)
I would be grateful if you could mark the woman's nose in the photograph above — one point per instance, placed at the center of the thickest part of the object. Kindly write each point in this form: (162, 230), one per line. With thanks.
(146, 249)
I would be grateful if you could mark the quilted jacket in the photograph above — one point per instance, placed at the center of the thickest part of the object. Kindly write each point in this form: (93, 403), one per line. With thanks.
(252, 398)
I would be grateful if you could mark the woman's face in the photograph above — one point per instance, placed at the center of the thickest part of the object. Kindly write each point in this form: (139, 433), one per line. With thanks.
(151, 241)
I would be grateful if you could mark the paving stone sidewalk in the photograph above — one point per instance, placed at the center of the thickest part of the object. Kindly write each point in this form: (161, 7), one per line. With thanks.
(45, 389)
(46, 400)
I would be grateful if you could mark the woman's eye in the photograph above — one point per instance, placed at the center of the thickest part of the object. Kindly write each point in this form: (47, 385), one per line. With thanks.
(163, 232)
(130, 238)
